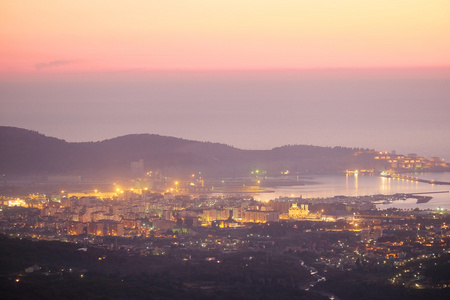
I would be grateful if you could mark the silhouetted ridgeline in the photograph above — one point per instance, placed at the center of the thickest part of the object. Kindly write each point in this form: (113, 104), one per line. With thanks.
(26, 152)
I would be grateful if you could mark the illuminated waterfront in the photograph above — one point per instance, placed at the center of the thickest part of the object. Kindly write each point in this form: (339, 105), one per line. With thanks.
(359, 185)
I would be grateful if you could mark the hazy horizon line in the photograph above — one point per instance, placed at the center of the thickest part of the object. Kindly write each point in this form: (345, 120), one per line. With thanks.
(137, 74)
(225, 69)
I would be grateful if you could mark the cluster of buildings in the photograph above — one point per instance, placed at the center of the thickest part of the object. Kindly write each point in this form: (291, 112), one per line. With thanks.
(209, 228)
(404, 163)
(139, 212)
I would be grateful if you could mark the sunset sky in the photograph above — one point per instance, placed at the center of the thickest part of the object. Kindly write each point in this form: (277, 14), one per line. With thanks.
(99, 35)
(250, 73)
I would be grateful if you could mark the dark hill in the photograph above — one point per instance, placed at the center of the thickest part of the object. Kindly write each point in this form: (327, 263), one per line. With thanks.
(25, 152)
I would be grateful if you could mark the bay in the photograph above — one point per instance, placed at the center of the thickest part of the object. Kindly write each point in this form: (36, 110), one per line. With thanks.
(322, 186)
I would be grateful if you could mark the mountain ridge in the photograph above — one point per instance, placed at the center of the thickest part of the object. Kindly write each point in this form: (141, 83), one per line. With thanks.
(28, 152)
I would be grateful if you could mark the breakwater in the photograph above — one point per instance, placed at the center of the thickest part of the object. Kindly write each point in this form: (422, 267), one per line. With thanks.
(393, 175)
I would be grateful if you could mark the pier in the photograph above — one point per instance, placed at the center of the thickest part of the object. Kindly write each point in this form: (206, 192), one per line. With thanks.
(393, 175)
(425, 193)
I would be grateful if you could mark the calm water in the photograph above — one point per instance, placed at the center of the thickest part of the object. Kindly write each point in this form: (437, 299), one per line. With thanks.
(360, 185)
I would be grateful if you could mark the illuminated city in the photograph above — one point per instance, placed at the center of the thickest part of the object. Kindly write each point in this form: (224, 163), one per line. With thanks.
(192, 219)
(258, 150)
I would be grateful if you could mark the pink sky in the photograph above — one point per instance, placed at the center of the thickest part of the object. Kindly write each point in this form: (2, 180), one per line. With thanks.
(374, 74)
(103, 35)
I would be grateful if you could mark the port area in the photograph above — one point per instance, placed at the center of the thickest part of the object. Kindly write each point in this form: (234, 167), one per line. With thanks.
(420, 197)
(393, 175)
(423, 199)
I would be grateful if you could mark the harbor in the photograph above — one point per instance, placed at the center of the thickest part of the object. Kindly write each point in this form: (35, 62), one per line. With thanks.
(406, 177)
(350, 185)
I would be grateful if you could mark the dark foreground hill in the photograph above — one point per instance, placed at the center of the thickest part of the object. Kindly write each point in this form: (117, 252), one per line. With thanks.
(63, 272)
(25, 152)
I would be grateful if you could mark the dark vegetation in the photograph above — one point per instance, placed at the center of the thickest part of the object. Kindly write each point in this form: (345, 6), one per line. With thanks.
(25, 152)
(68, 273)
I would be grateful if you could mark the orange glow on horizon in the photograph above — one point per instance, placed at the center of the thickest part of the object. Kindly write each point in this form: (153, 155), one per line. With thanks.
(84, 36)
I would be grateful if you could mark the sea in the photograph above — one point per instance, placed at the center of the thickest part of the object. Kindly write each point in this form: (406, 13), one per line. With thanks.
(322, 186)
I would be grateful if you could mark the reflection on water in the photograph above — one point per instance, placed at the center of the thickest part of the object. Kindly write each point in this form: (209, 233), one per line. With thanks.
(322, 186)
(385, 184)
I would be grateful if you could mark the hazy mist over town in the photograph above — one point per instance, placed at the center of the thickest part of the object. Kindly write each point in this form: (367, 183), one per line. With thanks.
(224, 149)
